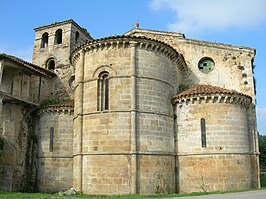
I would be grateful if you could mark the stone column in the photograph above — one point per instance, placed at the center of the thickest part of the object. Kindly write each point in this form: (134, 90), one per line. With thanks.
(78, 130)
(134, 136)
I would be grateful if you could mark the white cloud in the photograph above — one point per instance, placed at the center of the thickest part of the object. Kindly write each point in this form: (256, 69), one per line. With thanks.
(194, 16)
(25, 53)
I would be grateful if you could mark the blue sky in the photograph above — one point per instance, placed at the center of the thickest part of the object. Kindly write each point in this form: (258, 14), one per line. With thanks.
(237, 22)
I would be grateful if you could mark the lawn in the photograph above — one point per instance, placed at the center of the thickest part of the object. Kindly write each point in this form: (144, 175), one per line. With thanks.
(16, 195)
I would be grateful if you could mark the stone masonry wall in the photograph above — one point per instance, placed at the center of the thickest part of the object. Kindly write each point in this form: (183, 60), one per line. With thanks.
(108, 138)
(228, 60)
(17, 170)
(225, 162)
(60, 53)
(55, 167)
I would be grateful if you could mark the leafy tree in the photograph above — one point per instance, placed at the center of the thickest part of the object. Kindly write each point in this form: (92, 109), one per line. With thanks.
(262, 147)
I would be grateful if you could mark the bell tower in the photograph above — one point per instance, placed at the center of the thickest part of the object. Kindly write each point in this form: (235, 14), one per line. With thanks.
(53, 45)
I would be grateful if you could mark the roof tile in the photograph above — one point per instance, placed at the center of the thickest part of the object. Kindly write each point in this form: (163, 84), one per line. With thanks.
(206, 89)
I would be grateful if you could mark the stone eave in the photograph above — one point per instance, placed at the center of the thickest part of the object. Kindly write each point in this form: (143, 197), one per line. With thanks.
(212, 94)
(66, 107)
(215, 98)
(115, 41)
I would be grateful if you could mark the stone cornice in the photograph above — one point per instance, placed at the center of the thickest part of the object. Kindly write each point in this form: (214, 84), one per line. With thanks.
(214, 94)
(214, 98)
(64, 110)
(63, 107)
(125, 42)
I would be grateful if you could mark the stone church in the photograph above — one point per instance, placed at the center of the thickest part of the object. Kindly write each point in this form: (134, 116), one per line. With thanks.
(144, 112)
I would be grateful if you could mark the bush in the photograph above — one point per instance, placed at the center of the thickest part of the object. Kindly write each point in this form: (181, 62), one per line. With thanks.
(263, 180)
(50, 101)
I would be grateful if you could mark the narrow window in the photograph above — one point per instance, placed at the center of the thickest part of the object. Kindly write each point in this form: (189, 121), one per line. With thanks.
(45, 37)
(203, 132)
(58, 36)
(77, 37)
(103, 92)
(51, 147)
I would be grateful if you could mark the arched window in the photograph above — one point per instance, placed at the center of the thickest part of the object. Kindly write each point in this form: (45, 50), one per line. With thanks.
(103, 92)
(51, 145)
(45, 37)
(50, 64)
(203, 132)
(58, 36)
(72, 82)
(76, 36)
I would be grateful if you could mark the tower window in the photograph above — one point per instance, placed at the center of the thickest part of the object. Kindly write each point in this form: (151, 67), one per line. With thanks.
(45, 37)
(203, 132)
(77, 37)
(50, 64)
(51, 146)
(58, 36)
(103, 92)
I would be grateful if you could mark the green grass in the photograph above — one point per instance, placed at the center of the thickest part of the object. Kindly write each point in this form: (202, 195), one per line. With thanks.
(16, 195)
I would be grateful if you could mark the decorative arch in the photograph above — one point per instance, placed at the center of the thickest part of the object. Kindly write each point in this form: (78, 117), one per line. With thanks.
(58, 36)
(104, 68)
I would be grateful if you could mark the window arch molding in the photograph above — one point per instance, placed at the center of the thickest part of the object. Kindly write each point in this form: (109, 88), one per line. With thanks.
(104, 68)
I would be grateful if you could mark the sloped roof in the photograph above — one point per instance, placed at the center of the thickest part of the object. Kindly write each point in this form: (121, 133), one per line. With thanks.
(27, 65)
(206, 90)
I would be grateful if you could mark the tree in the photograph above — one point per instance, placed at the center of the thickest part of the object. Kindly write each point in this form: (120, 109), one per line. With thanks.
(262, 147)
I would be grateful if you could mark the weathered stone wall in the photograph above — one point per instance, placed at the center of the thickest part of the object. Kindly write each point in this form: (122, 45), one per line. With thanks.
(60, 53)
(18, 171)
(55, 166)
(233, 64)
(212, 172)
(225, 162)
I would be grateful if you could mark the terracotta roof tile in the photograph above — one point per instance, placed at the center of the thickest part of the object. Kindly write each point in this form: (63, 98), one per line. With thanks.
(205, 90)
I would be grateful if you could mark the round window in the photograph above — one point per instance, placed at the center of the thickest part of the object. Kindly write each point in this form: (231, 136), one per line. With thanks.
(206, 65)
